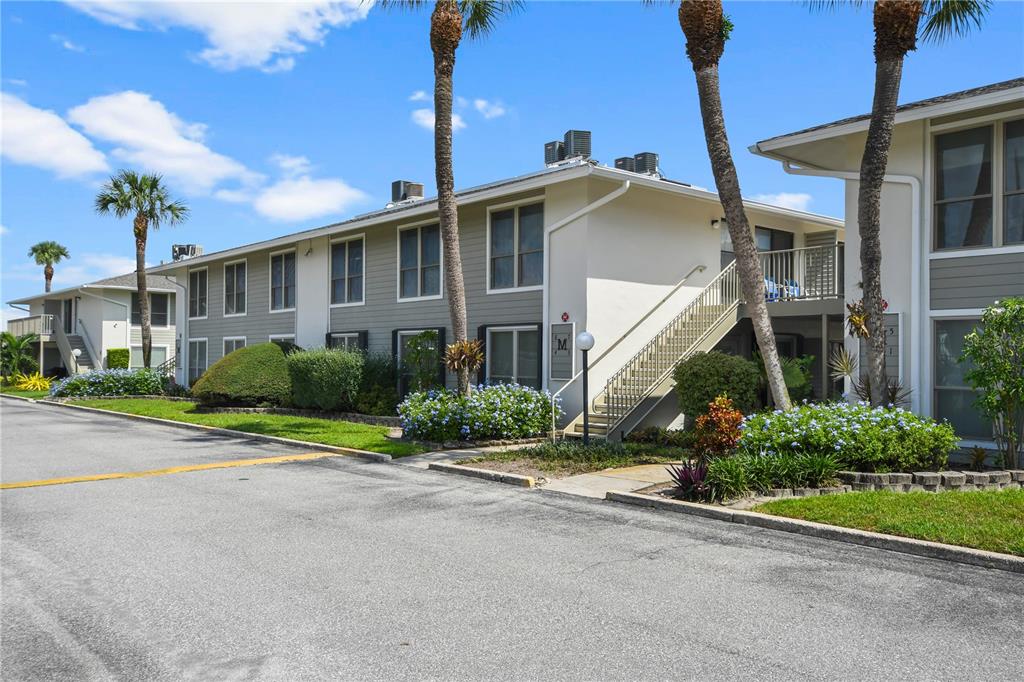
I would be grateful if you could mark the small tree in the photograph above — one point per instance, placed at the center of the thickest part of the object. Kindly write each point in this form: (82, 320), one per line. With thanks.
(48, 254)
(16, 354)
(995, 352)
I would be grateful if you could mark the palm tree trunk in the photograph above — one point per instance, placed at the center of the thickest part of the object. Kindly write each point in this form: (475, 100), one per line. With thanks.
(888, 74)
(748, 262)
(445, 34)
(141, 229)
(48, 275)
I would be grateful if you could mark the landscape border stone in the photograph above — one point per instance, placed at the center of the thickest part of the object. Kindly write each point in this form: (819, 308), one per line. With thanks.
(924, 548)
(486, 474)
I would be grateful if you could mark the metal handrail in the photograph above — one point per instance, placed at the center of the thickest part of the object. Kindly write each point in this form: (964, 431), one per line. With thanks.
(808, 273)
(167, 366)
(666, 297)
(675, 340)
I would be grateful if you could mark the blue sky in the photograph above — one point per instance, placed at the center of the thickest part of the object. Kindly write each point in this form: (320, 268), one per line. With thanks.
(271, 119)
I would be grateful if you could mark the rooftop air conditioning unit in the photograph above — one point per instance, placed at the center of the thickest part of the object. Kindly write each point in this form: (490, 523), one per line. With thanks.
(626, 163)
(553, 152)
(406, 190)
(185, 251)
(647, 162)
(577, 144)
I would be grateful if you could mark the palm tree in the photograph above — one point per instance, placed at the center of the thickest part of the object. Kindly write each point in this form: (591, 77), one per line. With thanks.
(48, 254)
(145, 198)
(447, 22)
(707, 29)
(898, 25)
(16, 356)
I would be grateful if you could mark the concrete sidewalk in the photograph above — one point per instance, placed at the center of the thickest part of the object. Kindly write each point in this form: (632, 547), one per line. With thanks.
(452, 456)
(624, 480)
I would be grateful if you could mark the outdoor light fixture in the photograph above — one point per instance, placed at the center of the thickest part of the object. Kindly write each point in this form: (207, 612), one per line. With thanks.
(718, 223)
(585, 341)
(77, 353)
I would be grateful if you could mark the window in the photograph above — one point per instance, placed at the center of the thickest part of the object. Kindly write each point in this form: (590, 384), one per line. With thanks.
(347, 270)
(517, 247)
(419, 262)
(513, 356)
(1013, 182)
(346, 341)
(197, 359)
(400, 346)
(157, 356)
(197, 293)
(233, 343)
(282, 281)
(158, 310)
(234, 288)
(954, 399)
(963, 189)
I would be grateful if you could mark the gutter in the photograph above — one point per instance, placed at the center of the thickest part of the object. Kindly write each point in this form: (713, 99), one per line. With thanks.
(611, 196)
(916, 228)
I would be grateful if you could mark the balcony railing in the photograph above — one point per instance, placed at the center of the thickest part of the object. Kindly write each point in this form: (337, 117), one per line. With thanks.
(41, 325)
(813, 273)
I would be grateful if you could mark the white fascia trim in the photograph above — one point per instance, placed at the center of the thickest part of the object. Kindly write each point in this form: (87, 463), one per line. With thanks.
(976, 251)
(932, 111)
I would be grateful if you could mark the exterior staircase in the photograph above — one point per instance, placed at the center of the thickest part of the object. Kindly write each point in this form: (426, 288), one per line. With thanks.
(85, 362)
(639, 385)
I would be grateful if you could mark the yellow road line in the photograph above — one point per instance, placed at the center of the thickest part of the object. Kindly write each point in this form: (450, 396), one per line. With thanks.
(170, 470)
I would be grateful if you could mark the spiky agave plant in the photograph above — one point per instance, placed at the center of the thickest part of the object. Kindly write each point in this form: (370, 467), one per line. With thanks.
(689, 478)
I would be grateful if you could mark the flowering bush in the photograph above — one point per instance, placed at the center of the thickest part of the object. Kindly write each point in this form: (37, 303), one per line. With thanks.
(858, 436)
(499, 411)
(110, 382)
(718, 430)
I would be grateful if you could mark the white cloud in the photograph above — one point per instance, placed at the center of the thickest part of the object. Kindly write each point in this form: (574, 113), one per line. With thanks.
(150, 137)
(425, 119)
(79, 269)
(239, 34)
(419, 96)
(36, 137)
(66, 43)
(798, 201)
(489, 109)
(461, 102)
(302, 198)
(292, 166)
(20, 82)
(4, 230)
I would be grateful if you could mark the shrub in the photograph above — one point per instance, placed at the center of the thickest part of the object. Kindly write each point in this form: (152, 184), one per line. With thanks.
(421, 360)
(857, 436)
(103, 382)
(996, 369)
(254, 375)
(691, 480)
(705, 376)
(378, 392)
(718, 431)
(656, 435)
(325, 378)
(500, 411)
(32, 382)
(118, 358)
(726, 479)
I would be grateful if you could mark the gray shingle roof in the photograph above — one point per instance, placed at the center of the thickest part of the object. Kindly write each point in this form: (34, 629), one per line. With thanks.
(129, 281)
(941, 99)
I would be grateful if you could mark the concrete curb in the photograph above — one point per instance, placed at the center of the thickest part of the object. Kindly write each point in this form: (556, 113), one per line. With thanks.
(362, 454)
(18, 397)
(924, 548)
(486, 474)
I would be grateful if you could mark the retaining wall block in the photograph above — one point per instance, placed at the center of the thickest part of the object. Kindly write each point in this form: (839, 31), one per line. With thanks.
(927, 478)
(780, 492)
(952, 479)
(849, 476)
(976, 477)
(901, 479)
(831, 490)
(875, 479)
(1017, 475)
(805, 492)
(999, 477)
(862, 487)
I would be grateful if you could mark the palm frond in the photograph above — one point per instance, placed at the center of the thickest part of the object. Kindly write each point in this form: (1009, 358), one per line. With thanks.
(832, 5)
(48, 252)
(945, 19)
(481, 16)
(395, 4)
(129, 194)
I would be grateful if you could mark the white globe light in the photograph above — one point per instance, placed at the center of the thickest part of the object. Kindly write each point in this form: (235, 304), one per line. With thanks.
(584, 340)
(77, 352)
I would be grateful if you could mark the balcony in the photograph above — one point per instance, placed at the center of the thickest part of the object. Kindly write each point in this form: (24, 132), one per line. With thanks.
(40, 325)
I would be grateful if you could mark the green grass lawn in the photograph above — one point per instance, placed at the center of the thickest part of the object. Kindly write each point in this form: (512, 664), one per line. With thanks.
(11, 390)
(326, 431)
(568, 458)
(991, 519)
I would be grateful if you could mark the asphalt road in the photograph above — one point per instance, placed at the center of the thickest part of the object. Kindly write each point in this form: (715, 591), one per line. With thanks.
(342, 569)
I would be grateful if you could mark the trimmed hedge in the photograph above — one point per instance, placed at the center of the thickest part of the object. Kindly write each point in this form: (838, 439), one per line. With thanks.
(118, 358)
(325, 378)
(107, 382)
(251, 376)
(703, 377)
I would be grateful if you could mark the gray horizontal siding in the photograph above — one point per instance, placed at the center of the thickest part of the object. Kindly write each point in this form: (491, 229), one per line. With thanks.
(257, 325)
(975, 281)
(162, 336)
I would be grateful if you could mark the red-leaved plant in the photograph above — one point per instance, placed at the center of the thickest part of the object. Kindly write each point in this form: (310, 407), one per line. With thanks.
(718, 432)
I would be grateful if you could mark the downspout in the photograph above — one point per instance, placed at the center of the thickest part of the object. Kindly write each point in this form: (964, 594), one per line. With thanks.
(915, 253)
(546, 335)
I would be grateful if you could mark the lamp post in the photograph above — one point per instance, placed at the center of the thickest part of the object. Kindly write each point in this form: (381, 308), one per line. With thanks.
(76, 352)
(585, 341)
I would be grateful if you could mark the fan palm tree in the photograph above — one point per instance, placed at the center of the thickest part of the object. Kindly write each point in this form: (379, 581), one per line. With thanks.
(447, 22)
(48, 254)
(145, 199)
(898, 26)
(706, 29)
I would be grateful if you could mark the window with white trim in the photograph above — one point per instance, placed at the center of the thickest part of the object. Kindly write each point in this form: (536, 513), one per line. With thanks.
(963, 188)
(157, 356)
(954, 399)
(197, 359)
(159, 310)
(419, 262)
(197, 292)
(346, 341)
(234, 288)
(513, 356)
(282, 281)
(517, 247)
(231, 344)
(1013, 182)
(347, 271)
